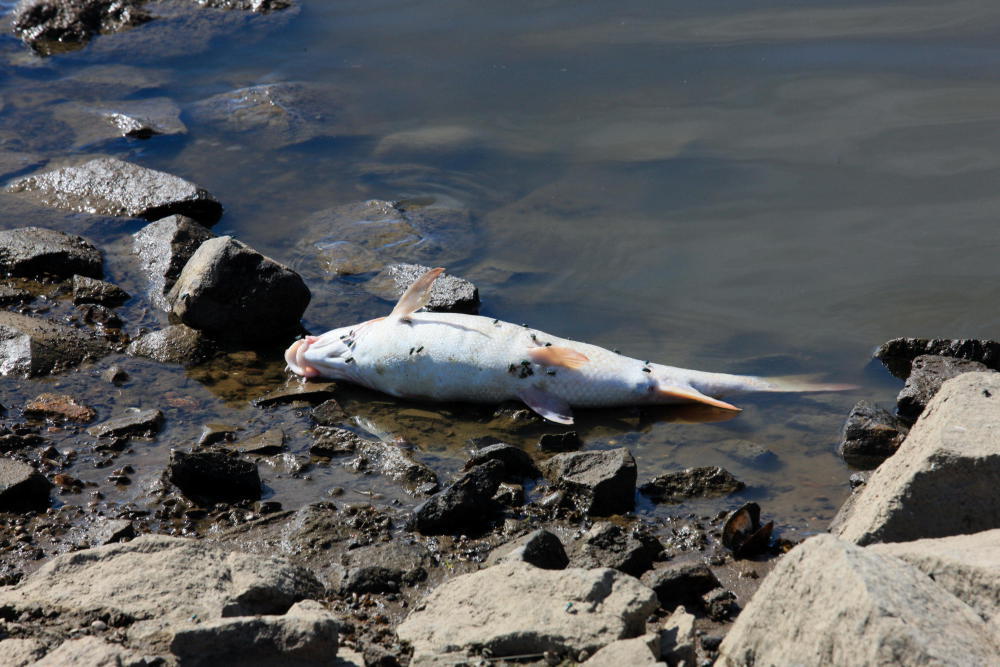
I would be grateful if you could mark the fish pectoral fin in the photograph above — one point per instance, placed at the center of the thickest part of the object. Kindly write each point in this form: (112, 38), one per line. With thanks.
(547, 405)
(553, 355)
(689, 394)
(416, 296)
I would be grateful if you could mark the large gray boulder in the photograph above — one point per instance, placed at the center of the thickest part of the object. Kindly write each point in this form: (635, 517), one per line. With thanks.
(34, 251)
(230, 291)
(829, 602)
(163, 248)
(943, 479)
(108, 186)
(30, 346)
(515, 608)
(161, 587)
(602, 483)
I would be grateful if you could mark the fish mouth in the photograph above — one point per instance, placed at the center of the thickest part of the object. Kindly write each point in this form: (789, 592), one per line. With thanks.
(295, 357)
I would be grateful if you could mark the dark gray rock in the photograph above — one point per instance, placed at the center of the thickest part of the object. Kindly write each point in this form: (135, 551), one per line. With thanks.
(517, 463)
(384, 458)
(602, 483)
(540, 548)
(328, 413)
(720, 605)
(232, 292)
(137, 424)
(276, 115)
(54, 26)
(174, 344)
(30, 346)
(95, 313)
(681, 584)
(927, 374)
(702, 482)
(898, 353)
(464, 506)
(449, 293)
(90, 290)
(260, 6)
(633, 551)
(33, 252)
(22, 487)
(109, 186)
(560, 442)
(871, 435)
(271, 441)
(373, 579)
(163, 248)
(11, 295)
(213, 476)
(214, 433)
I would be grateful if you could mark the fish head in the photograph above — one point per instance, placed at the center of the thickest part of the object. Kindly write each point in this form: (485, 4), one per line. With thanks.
(328, 356)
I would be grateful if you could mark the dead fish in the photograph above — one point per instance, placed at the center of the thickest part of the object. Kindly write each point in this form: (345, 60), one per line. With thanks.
(457, 357)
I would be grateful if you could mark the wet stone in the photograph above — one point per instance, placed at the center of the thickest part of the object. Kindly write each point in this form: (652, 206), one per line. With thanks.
(631, 550)
(295, 390)
(681, 584)
(12, 295)
(517, 463)
(175, 344)
(95, 313)
(114, 375)
(927, 374)
(898, 354)
(702, 482)
(449, 294)
(332, 442)
(31, 346)
(260, 6)
(213, 476)
(59, 407)
(560, 442)
(328, 413)
(141, 119)
(231, 291)
(109, 186)
(750, 454)
(163, 248)
(137, 424)
(271, 441)
(214, 433)
(90, 290)
(34, 252)
(54, 26)
(540, 548)
(22, 487)
(871, 435)
(464, 506)
(602, 483)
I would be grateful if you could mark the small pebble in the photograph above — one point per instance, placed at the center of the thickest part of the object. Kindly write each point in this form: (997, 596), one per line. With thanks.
(99, 626)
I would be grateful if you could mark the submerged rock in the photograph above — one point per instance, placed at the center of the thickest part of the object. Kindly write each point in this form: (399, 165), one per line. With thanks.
(676, 487)
(896, 614)
(516, 609)
(109, 186)
(261, 6)
(560, 442)
(175, 344)
(871, 435)
(89, 290)
(31, 346)
(927, 374)
(59, 407)
(34, 252)
(942, 480)
(603, 483)
(898, 353)
(465, 505)
(52, 26)
(210, 477)
(22, 487)
(449, 294)
(94, 123)
(232, 292)
(163, 248)
(384, 458)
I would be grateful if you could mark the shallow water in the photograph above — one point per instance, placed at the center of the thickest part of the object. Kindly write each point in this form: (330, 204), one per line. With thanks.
(770, 190)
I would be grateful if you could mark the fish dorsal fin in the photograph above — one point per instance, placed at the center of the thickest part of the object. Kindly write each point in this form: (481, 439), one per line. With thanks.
(689, 394)
(554, 355)
(416, 296)
(547, 405)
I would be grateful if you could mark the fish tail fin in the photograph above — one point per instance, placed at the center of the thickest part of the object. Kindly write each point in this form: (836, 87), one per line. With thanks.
(800, 384)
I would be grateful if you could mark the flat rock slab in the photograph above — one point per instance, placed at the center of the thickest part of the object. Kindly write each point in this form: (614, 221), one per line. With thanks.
(34, 252)
(943, 479)
(232, 292)
(296, 390)
(135, 424)
(161, 585)
(449, 294)
(830, 602)
(22, 487)
(59, 407)
(515, 609)
(603, 483)
(31, 346)
(703, 482)
(109, 186)
(898, 353)
(163, 248)
(927, 373)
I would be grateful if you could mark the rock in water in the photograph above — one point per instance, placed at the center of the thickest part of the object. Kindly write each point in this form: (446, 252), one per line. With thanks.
(871, 435)
(30, 346)
(163, 248)
(676, 487)
(214, 476)
(232, 292)
(52, 26)
(34, 252)
(89, 290)
(109, 186)
(175, 344)
(898, 353)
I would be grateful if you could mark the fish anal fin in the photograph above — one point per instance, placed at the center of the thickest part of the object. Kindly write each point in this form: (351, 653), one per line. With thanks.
(547, 405)
(693, 395)
(554, 355)
(416, 296)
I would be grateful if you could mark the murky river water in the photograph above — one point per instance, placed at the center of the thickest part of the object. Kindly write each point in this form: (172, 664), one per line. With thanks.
(770, 189)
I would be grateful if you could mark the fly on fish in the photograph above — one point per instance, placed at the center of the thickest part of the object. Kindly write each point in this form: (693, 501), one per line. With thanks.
(457, 357)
